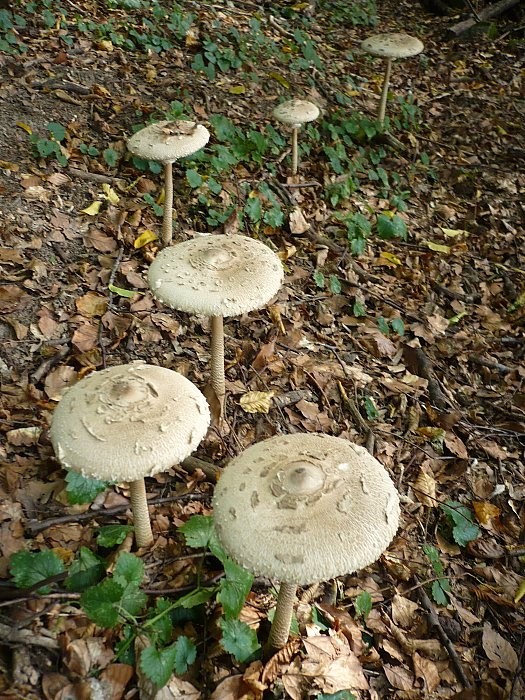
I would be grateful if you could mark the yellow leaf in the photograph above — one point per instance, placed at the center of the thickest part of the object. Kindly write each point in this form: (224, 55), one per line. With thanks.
(145, 237)
(279, 78)
(256, 401)
(437, 247)
(110, 194)
(104, 45)
(425, 489)
(485, 512)
(25, 127)
(454, 232)
(457, 318)
(520, 592)
(390, 257)
(93, 209)
(237, 90)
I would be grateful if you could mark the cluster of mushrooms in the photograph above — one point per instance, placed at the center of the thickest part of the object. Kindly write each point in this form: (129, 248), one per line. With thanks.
(296, 508)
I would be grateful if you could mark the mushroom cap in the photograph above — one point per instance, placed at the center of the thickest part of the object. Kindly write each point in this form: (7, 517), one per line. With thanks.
(394, 45)
(306, 507)
(128, 421)
(168, 140)
(217, 275)
(296, 112)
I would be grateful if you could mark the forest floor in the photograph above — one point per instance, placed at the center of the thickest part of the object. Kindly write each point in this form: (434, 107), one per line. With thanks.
(399, 325)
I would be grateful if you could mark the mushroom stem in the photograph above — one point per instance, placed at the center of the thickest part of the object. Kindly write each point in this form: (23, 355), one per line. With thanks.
(218, 381)
(139, 508)
(384, 93)
(167, 221)
(283, 616)
(295, 157)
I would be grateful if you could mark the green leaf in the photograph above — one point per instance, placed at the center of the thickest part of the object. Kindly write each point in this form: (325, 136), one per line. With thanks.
(101, 603)
(57, 131)
(128, 569)
(199, 531)
(439, 591)
(196, 597)
(391, 227)
(85, 571)
(340, 695)
(334, 283)
(126, 293)
(319, 279)
(112, 535)
(158, 664)
(363, 604)
(239, 639)
(382, 324)
(159, 622)
(233, 588)
(397, 325)
(253, 209)
(124, 648)
(193, 178)
(186, 653)
(464, 528)
(110, 156)
(29, 568)
(433, 555)
(371, 411)
(359, 309)
(80, 489)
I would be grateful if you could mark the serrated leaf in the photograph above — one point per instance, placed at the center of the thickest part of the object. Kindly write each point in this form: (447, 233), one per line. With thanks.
(465, 529)
(111, 535)
(193, 178)
(391, 227)
(256, 401)
(124, 648)
(437, 247)
(238, 639)
(110, 156)
(383, 326)
(81, 489)
(85, 571)
(433, 556)
(133, 599)
(126, 293)
(128, 569)
(359, 309)
(101, 603)
(363, 604)
(198, 531)
(438, 593)
(29, 568)
(233, 588)
(186, 653)
(158, 664)
(93, 208)
(110, 194)
(56, 130)
(159, 623)
(397, 325)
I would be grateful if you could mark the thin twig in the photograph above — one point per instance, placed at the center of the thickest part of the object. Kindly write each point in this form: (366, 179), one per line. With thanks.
(47, 365)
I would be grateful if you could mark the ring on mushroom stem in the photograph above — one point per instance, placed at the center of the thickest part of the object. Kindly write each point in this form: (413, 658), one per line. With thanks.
(295, 113)
(127, 422)
(390, 46)
(166, 142)
(216, 276)
(304, 508)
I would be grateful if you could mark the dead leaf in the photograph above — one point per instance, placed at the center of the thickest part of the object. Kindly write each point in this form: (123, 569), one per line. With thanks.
(91, 304)
(427, 671)
(404, 611)
(256, 401)
(399, 677)
(85, 338)
(498, 649)
(58, 380)
(98, 240)
(298, 224)
(424, 488)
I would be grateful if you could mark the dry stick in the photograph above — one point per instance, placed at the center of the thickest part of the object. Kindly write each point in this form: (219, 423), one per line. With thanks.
(47, 365)
(35, 526)
(167, 220)
(486, 13)
(93, 177)
(445, 640)
(218, 380)
(8, 635)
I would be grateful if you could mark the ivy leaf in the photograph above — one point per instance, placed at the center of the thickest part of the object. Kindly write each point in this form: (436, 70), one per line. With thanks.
(158, 664)
(101, 603)
(29, 568)
(85, 571)
(111, 535)
(239, 639)
(186, 653)
(233, 588)
(464, 528)
(80, 489)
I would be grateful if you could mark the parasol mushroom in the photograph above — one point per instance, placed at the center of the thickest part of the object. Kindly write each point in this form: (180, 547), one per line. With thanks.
(304, 508)
(295, 113)
(166, 142)
(127, 422)
(390, 46)
(219, 275)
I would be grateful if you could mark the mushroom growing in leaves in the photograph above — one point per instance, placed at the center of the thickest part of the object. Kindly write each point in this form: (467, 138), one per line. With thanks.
(390, 46)
(295, 113)
(304, 508)
(218, 275)
(166, 142)
(127, 422)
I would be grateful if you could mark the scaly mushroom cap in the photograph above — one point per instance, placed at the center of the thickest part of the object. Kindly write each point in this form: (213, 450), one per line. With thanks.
(305, 508)
(296, 112)
(217, 275)
(129, 421)
(168, 140)
(395, 45)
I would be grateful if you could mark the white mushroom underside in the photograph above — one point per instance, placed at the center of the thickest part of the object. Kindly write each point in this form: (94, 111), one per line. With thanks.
(218, 275)
(127, 422)
(333, 510)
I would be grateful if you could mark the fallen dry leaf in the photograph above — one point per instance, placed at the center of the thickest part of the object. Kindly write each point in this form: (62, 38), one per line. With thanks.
(498, 649)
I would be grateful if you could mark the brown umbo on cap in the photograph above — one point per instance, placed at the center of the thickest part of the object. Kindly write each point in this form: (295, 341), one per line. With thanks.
(168, 141)
(394, 45)
(216, 275)
(306, 507)
(296, 112)
(128, 421)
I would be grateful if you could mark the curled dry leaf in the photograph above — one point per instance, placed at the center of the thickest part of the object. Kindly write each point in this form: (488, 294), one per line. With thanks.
(425, 489)
(256, 401)
(283, 657)
(404, 611)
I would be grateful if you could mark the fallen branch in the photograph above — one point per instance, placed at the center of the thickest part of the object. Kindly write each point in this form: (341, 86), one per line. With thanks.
(491, 11)
(10, 635)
